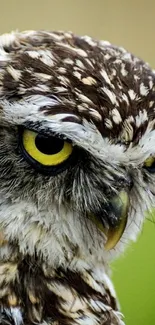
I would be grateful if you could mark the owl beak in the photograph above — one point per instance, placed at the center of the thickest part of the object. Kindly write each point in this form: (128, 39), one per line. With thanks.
(120, 204)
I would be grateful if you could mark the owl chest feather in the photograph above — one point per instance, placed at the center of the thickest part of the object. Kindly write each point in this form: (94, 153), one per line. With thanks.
(32, 292)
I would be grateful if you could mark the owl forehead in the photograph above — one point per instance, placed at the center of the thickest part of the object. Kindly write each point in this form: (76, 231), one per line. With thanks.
(85, 80)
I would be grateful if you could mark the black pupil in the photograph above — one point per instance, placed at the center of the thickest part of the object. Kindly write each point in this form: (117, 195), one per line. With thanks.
(48, 145)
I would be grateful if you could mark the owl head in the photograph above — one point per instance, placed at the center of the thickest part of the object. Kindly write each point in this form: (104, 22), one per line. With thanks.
(77, 167)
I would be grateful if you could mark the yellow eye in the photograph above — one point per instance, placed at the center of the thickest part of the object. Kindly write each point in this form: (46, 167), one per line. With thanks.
(149, 161)
(47, 151)
(149, 164)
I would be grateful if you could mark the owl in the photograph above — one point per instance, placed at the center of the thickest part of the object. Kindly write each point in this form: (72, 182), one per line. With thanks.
(77, 173)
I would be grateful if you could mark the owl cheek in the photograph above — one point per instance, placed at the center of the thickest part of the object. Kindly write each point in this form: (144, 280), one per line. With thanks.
(114, 223)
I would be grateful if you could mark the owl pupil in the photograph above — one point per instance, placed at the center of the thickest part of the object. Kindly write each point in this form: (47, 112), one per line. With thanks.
(48, 145)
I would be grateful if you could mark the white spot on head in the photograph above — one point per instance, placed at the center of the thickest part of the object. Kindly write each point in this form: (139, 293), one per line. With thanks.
(89, 40)
(127, 131)
(151, 103)
(108, 123)
(125, 98)
(81, 53)
(141, 118)
(16, 74)
(95, 114)
(107, 56)
(68, 35)
(81, 108)
(85, 105)
(150, 84)
(118, 61)
(47, 57)
(110, 95)
(130, 119)
(132, 94)
(136, 77)
(104, 43)
(33, 54)
(74, 49)
(113, 72)
(124, 72)
(63, 80)
(57, 37)
(62, 70)
(68, 61)
(7, 39)
(43, 55)
(77, 74)
(116, 116)
(42, 76)
(79, 64)
(89, 62)
(84, 98)
(143, 89)
(105, 76)
(127, 56)
(60, 89)
(42, 87)
(88, 81)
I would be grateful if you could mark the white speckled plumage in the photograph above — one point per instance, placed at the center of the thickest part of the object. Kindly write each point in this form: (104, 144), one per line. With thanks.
(53, 256)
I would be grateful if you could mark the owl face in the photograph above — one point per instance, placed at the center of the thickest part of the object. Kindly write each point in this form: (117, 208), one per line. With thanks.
(76, 146)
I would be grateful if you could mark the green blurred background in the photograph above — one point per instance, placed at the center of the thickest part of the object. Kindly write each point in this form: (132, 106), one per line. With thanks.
(130, 23)
(134, 279)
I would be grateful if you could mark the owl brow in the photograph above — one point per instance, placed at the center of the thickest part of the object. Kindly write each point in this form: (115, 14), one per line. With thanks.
(39, 128)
